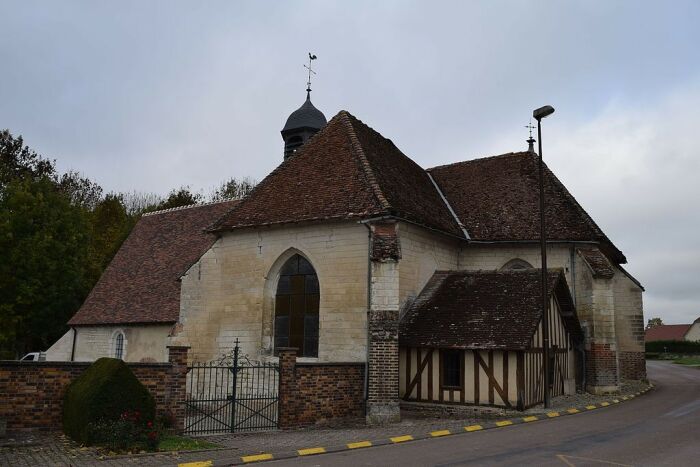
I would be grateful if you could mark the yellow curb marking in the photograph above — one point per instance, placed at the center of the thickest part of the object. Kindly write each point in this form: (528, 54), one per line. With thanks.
(624, 398)
(616, 401)
(311, 451)
(401, 439)
(440, 433)
(473, 428)
(531, 418)
(257, 457)
(573, 410)
(504, 423)
(359, 444)
(604, 404)
(552, 414)
(590, 407)
(196, 464)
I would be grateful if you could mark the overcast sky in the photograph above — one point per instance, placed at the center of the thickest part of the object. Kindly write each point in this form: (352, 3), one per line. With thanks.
(150, 96)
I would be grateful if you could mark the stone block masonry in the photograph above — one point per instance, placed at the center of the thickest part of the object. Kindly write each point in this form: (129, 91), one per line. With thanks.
(32, 392)
(310, 393)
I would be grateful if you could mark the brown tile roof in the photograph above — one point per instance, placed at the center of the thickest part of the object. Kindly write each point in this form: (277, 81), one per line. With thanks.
(346, 171)
(497, 199)
(597, 262)
(141, 284)
(667, 332)
(483, 310)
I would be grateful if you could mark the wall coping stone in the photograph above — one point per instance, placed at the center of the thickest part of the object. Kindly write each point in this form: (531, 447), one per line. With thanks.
(362, 364)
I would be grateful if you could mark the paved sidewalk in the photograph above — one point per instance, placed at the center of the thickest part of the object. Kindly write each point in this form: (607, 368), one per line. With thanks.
(54, 449)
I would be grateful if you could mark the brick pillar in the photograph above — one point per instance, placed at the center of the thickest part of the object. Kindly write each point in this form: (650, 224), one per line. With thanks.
(177, 386)
(286, 406)
(383, 325)
(383, 391)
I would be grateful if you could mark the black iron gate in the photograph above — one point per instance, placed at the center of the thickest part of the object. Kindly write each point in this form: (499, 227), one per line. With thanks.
(231, 395)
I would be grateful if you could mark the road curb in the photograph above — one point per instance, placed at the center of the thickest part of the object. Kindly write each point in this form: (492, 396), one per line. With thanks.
(364, 444)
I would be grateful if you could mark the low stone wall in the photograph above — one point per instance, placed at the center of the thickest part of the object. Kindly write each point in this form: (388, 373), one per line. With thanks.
(32, 392)
(311, 393)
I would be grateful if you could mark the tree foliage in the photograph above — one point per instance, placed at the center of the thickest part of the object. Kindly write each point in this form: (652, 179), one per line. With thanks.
(233, 188)
(654, 322)
(58, 232)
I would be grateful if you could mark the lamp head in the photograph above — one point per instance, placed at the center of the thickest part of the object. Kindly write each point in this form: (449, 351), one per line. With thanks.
(542, 112)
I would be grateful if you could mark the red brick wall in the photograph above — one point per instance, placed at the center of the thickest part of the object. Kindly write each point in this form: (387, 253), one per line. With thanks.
(32, 392)
(315, 392)
(633, 365)
(601, 365)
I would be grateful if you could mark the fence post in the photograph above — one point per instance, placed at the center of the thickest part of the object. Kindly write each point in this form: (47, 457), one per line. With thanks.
(235, 385)
(177, 391)
(286, 406)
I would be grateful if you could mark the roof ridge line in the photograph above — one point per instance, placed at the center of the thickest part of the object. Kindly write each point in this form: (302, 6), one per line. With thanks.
(477, 159)
(188, 206)
(360, 153)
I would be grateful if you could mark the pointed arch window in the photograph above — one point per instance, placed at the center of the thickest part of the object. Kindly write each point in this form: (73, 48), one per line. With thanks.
(119, 346)
(296, 307)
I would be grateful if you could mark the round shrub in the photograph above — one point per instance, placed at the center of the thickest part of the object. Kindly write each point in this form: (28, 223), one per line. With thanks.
(103, 393)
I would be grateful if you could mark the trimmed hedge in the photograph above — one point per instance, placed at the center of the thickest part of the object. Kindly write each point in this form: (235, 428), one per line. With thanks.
(685, 347)
(105, 391)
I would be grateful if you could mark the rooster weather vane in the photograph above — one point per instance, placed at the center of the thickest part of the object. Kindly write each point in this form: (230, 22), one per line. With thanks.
(308, 67)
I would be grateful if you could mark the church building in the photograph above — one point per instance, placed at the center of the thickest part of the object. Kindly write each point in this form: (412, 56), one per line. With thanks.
(351, 252)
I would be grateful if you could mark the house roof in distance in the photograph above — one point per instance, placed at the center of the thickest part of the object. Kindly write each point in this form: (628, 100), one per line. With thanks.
(141, 284)
(345, 171)
(667, 332)
(483, 310)
(497, 199)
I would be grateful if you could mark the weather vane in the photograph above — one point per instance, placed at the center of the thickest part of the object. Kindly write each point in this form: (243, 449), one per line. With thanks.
(308, 83)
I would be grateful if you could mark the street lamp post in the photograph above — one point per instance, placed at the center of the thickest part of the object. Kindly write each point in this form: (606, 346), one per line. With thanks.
(539, 114)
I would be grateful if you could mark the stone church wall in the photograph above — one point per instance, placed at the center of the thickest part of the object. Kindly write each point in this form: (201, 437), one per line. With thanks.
(229, 293)
(142, 343)
(629, 326)
(422, 253)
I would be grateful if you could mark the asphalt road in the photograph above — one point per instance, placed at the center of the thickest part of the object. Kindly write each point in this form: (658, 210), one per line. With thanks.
(659, 428)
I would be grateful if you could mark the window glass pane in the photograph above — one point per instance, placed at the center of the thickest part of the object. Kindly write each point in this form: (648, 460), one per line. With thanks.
(305, 267)
(281, 331)
(297, 284)
(451, 368)
(284, 286)
(312, 304)
(310, 335)
(312, 283)
(119, 346)
(282, 305)
(291, 266)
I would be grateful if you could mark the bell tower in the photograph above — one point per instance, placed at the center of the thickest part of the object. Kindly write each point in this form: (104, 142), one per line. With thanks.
(304, 122)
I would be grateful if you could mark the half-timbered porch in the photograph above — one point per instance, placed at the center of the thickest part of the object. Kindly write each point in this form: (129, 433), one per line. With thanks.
(476, 338)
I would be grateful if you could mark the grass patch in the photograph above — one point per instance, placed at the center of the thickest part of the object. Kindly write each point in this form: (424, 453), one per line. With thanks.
(690, 361)
(181, 443)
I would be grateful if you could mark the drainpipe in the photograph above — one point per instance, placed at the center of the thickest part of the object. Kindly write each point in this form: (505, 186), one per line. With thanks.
(572, 259)
(369, 305)
(72, 351)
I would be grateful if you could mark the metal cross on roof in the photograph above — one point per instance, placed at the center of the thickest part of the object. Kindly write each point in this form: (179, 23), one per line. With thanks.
(308, 83)
(530, 127)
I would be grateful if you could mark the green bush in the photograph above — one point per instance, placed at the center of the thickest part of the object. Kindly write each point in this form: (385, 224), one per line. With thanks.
(102, 394)
(682, 347)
